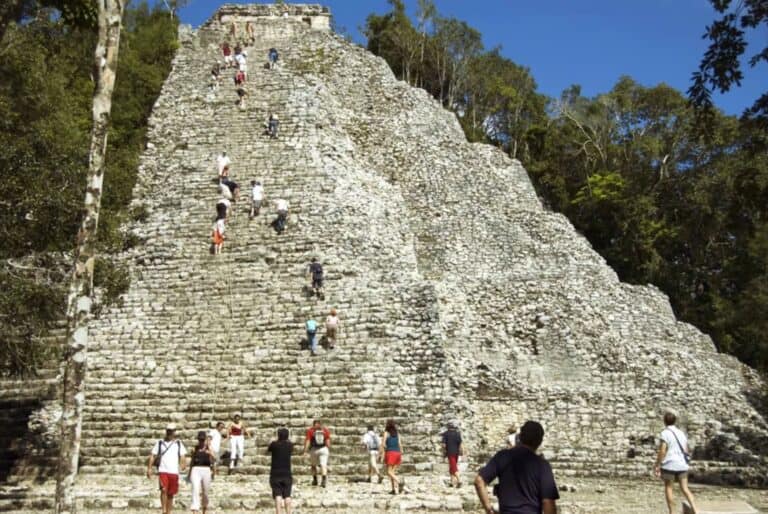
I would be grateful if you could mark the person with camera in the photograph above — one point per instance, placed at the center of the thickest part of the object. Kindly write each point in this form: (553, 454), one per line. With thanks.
(526, 483)
(672, 461)
(168, 457)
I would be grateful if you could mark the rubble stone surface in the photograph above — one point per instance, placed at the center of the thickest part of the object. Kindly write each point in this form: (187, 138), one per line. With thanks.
(460, 296)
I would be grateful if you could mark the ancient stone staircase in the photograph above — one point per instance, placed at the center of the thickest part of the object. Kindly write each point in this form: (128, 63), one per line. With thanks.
(200, 337)
(460, 296)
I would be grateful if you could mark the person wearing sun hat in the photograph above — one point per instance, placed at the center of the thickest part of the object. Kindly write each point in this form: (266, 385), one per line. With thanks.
(168, 457)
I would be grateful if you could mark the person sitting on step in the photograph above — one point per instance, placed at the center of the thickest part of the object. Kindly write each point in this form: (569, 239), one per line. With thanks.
(315, 271)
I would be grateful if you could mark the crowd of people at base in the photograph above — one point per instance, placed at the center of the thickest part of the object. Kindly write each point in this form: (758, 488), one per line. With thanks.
(525, 481)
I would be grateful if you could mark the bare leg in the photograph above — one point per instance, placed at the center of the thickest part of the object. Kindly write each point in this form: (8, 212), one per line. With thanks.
(164, 501)
(278, 504)
(287, 506)
(687, 494)
(669, 494)
(392, 478)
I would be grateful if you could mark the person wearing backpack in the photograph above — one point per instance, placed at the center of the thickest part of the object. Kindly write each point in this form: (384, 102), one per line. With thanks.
(168, 457)
(318, 442)
(315, 271)
(371, 443)
(311, 327)
(672, 461)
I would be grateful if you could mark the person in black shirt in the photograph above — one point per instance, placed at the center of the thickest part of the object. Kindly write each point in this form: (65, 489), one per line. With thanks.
(280, 476)
(526, 483)
(452, 449)
(201, 473)
(316, 272)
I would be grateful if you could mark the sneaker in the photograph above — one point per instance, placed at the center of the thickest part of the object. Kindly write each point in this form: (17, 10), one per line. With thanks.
(370, 480)
(381, 478)
(401, 486)
(322, 484)
(314, 478)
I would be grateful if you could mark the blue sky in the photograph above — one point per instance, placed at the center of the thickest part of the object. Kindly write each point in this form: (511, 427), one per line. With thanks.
(586, 42)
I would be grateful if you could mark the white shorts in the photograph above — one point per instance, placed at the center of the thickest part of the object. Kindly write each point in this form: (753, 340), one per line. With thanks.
(319, 456)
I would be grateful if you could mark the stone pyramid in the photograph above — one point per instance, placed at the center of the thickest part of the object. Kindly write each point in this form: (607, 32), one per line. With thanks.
(460, 296)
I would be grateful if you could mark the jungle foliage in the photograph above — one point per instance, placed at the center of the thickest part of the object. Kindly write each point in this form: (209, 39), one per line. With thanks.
(45, 120)
(662, 200)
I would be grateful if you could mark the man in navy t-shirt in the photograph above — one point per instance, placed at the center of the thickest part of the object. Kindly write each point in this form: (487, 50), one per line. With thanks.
(526, 483)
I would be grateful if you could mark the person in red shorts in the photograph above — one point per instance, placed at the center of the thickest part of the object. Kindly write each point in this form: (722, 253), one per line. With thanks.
(391, 455)
(168, 457)
(452, 449)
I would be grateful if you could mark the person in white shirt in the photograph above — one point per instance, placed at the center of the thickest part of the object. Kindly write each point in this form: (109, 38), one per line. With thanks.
(257, 196)
(168, 457)
(214, 436)
(282, 214)
(672, 461)
(219, 227)
(513, 436)
(371, 443)
(242, 63)
(222, 162)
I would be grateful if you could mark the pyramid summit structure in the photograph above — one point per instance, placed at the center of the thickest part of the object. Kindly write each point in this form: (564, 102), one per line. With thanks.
(461, 297)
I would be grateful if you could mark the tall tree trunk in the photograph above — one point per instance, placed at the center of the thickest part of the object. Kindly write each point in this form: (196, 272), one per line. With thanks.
(79, 298)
